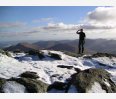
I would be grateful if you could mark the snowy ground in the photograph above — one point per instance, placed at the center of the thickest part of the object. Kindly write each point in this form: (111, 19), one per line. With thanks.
(46, 68)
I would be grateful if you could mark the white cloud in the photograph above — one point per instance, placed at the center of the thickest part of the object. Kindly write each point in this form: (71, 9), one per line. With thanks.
(60, 26)
(43, 20)
(99, 23)
(56, 27)
(11, 24)
(102, 16)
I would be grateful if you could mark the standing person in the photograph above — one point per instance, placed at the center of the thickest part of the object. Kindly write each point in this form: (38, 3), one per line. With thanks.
(81, 40)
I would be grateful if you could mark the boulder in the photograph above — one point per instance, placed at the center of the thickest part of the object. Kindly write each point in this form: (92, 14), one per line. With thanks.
(77, 70)
(32, 85)
(38, 53)
(103, 55)
(5, 52)
(28, 74)
(57, 85)
(55, 56)
(84, 80)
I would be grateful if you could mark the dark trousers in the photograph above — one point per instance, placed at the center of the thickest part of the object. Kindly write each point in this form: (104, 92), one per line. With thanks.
(81, 46)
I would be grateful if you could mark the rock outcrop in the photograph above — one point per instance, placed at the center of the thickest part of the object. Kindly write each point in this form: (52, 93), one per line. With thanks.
(84, 80)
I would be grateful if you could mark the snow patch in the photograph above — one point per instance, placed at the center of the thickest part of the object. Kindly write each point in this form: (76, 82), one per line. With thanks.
(106, 82)
(106, 60)
(13, 87)
(96, 88)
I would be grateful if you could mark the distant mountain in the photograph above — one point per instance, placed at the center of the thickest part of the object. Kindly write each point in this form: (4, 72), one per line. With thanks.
(23, 47)
(63, 47)
(48, 44)
(91, 45)
(102, 45)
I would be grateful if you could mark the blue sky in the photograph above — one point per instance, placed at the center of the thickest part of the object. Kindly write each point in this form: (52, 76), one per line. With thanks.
(50, 22)
(27, 14)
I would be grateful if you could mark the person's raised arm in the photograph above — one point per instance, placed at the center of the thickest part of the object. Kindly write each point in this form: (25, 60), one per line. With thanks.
(78, 32)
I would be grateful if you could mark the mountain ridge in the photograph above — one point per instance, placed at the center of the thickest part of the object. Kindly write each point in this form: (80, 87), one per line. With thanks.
(24, 46)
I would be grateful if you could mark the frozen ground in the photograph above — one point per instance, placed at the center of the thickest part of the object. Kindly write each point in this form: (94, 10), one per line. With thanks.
(47, 67)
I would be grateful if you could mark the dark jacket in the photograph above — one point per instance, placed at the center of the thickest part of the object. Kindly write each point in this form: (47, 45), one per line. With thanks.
(81, 35)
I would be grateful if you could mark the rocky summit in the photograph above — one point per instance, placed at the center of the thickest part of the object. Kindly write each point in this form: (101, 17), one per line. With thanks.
(48, 71)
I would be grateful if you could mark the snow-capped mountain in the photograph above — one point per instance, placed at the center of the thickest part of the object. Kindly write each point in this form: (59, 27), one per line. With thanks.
(55, 72)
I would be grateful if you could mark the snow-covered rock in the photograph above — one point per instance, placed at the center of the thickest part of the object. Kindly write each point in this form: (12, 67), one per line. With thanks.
(91, 79)
(48, 69)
